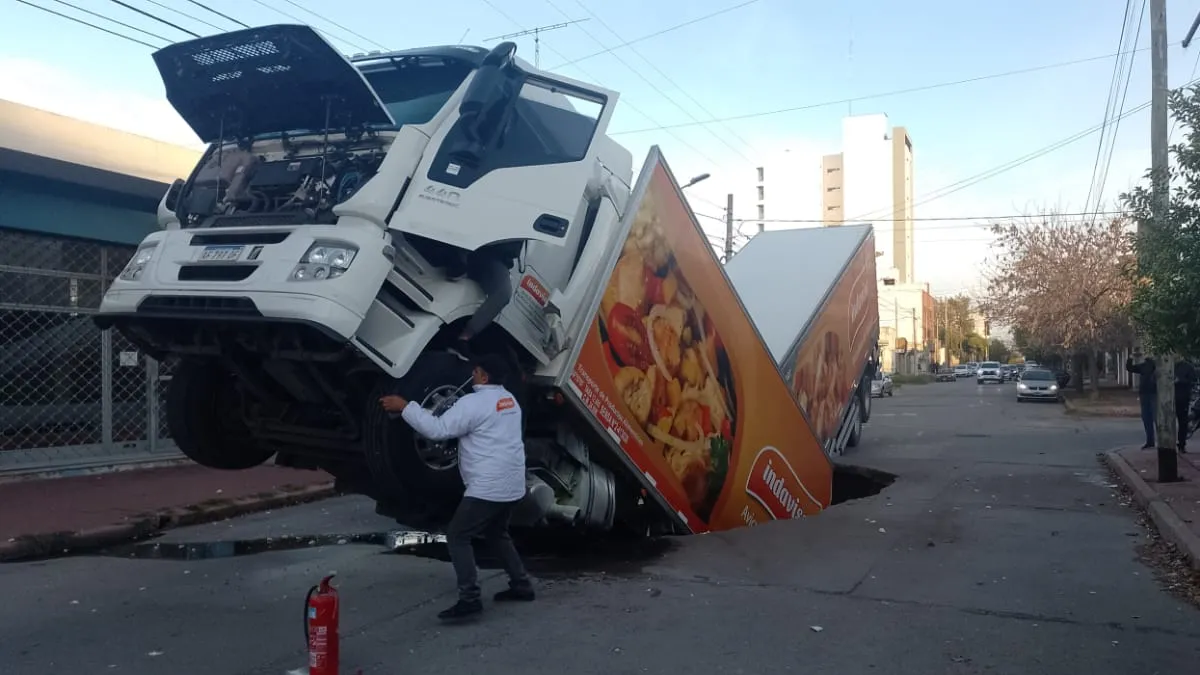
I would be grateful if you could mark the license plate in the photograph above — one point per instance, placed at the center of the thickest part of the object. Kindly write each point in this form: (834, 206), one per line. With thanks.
(221, 253)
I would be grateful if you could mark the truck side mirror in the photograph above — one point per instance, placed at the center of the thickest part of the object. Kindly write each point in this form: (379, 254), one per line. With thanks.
(171, 200)
(488, 93)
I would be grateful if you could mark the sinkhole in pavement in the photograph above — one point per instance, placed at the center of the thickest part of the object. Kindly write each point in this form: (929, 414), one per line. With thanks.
(852, 482)
(547, 553)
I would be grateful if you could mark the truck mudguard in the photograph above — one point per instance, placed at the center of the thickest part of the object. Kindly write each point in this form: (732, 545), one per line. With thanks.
(673, 370)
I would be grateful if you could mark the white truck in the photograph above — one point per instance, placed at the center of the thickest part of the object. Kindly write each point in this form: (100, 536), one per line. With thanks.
(308, 266)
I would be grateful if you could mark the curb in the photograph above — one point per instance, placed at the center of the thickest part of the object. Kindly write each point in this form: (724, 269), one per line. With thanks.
(1169, 524)
(52, 544)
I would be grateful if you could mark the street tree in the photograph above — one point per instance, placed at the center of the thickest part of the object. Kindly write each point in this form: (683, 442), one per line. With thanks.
(998, 350)
(1065, 283)
(1166, 293)
(954, 324)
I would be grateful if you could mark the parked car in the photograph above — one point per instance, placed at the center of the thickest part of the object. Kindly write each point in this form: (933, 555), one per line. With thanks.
(1007, 373)
(962, 370)
(1038, 384)
(882, 385)
(945, 375)
(989, 371)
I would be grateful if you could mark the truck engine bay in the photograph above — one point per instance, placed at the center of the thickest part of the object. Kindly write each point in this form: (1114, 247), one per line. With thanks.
(282, 180)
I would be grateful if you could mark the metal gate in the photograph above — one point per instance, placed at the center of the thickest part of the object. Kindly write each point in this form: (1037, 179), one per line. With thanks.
(71, 395)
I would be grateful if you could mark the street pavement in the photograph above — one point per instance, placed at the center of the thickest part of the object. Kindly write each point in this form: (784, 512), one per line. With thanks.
(1000, 548)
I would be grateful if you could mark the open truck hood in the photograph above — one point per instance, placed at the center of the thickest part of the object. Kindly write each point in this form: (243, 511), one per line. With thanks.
(265, 80)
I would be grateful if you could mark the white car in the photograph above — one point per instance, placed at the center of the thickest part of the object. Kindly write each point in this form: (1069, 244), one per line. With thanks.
(989, 371)
(962, 370)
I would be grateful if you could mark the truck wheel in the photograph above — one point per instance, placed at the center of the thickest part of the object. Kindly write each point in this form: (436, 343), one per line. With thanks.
(865, 407)
(402, 463)
(205, 419)
(855, 433)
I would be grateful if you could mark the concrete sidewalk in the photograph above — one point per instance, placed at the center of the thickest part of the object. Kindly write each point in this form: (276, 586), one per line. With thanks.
(1174, 507)
(51, 516)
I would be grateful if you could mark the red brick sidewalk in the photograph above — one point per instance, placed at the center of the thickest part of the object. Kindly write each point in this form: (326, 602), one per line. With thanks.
(1174, 507)
(41, 515)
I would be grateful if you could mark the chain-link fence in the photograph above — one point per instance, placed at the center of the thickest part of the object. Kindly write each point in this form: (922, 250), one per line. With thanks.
(70, 394)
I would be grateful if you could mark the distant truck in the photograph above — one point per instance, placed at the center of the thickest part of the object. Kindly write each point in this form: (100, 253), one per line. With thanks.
(305, 268)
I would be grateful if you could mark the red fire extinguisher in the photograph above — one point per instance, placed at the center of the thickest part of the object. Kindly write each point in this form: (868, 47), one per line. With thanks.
(321, 628)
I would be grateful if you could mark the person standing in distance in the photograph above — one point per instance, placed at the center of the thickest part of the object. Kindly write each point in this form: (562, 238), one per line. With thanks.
(1147, 394)
(491, 460)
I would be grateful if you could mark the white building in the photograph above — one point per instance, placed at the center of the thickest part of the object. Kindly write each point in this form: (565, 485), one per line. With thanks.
(871, 180)
(907, 327)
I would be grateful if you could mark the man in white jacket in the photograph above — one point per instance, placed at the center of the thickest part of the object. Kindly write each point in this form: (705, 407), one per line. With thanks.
(491, 460)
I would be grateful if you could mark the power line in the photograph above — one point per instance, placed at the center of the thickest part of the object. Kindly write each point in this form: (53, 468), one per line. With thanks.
(1025, 159)
(655, 34)
(228, 18)
(666, 77)
(331, 22)
(645, 79)
(1110, 102)
(88, 24)
(625, 102)
(1112, 145)
(895, 92)
(154, 18)
(98, 15)
(182, 13)
(293, 17)
(1007, 216)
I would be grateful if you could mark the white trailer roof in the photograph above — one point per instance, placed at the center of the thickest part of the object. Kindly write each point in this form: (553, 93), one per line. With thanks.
(782, 276)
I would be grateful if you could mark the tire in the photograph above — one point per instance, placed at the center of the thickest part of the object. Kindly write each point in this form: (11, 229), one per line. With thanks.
(855, 433)
(891, 392)
(978, 381)
(390, 445)
(864, 409)
(204, 418)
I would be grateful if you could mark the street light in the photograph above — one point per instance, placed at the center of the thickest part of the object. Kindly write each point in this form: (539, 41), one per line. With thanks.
(702, 177)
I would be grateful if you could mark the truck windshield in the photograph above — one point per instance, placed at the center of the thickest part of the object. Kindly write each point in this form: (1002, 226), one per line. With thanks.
(415, 89)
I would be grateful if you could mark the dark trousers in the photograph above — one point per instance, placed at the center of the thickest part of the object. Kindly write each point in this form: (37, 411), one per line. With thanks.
(492, 274)
(1183, 406)
(477, 518)
(1148, 402)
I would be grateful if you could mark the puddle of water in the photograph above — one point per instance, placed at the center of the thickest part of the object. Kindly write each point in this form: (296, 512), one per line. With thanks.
(858, 482)
(240, 547)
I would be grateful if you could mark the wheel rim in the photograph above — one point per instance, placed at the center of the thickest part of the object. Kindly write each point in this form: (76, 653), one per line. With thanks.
(438, 455)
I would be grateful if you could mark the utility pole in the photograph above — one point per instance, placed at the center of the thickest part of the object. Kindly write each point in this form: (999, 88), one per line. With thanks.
(728, 226)
(1165, 427)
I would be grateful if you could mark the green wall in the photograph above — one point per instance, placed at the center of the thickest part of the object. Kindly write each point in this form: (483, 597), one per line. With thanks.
(52, 207)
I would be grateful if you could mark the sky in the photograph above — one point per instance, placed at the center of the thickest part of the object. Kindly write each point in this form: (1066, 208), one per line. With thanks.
(722, 86)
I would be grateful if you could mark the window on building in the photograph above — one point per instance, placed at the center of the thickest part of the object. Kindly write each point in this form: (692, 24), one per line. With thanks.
(760, 174)
(760, 193)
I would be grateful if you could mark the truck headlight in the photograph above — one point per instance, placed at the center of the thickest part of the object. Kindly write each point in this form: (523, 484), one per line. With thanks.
(137, 264)
(324, 260)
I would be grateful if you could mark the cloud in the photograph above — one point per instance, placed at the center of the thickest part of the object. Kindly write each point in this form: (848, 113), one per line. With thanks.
(39, 85)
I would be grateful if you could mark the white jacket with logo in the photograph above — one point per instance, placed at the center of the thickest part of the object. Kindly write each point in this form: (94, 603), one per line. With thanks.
(491, 451)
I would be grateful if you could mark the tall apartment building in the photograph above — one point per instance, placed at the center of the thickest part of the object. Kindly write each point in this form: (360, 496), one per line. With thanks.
(871, 181)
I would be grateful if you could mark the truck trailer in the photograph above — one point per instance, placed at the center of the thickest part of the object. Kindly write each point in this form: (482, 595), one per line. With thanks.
(310, 265)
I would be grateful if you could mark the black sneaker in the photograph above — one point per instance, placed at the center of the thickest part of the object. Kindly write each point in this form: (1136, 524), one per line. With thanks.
(515, 595)
(461, 610)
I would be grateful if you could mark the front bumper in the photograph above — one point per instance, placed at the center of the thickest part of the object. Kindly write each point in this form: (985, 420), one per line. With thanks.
(1039, 394)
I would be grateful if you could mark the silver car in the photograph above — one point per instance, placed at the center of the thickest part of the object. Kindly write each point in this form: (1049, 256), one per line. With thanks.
(1038, 384)
(881, 385)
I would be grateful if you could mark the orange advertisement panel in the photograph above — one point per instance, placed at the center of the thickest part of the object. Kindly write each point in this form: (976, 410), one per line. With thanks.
(829, 361)
(673, 369)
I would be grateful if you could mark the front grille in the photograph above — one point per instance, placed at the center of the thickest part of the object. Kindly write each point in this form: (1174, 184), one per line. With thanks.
(216, 272)
(233, 238)
(197, 305)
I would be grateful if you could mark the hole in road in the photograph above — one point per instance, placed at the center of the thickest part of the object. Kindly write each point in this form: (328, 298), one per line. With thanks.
(852, 482)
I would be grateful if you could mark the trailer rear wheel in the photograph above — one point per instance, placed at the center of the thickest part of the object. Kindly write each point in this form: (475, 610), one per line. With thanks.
(204, 417)
(402, 463)
(867, 402)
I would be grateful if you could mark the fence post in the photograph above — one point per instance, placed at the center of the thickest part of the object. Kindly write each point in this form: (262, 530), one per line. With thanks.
(106, 366)
(152, 403)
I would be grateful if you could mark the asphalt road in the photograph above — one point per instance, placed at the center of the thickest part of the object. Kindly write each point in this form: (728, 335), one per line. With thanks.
(999, 549)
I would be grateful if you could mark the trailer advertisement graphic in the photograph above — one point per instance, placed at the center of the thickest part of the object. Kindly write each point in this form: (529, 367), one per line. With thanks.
(675, 372)
(827, 364)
